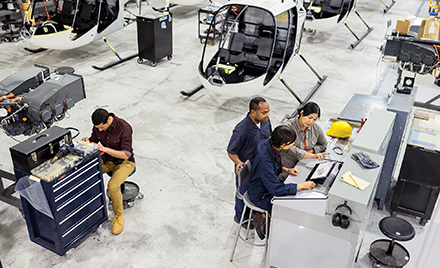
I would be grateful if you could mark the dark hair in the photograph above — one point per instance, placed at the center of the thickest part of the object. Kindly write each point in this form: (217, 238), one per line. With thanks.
(255, 103)
(310, 108)
(282, 135)
(100, 116)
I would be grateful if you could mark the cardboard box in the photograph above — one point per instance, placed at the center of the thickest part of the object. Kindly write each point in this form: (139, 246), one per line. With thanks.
(402, 26)
(429, 29)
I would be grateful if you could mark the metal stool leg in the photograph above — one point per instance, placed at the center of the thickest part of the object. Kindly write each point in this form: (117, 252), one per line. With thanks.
(238, 233)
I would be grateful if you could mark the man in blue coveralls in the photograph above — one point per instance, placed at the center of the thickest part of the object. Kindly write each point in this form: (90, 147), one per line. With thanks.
(254, 127)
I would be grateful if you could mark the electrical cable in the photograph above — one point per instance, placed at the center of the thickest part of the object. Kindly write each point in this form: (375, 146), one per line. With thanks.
(77, 130)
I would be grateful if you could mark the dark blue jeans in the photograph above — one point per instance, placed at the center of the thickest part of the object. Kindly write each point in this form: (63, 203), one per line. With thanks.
(239, 204)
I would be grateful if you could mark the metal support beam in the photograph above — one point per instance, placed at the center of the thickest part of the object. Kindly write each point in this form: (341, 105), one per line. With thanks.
(321, 80)
(358, 39)
(6, 193)
(385, 10)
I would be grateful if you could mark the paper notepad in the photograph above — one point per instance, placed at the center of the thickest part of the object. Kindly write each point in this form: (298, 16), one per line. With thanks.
(354, 181)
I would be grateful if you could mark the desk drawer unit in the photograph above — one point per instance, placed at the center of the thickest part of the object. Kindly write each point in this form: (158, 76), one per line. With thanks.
(77, 203)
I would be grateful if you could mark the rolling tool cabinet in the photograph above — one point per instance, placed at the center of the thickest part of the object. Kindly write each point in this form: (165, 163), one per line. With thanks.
(74, 191)
(155, 37)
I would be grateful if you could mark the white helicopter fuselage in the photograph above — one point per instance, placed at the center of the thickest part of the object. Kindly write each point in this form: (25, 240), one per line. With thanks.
(257, 84)
(65, 39)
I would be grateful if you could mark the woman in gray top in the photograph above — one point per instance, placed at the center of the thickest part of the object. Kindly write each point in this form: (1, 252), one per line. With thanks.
(310, 138)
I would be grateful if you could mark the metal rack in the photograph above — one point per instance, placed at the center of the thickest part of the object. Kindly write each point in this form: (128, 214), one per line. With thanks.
(205, 17)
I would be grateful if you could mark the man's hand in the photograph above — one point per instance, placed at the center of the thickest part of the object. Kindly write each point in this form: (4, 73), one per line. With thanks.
(293, 171)
(320, 156)
(101, 148)
(239, 167)
(306, 185)
(85, 139)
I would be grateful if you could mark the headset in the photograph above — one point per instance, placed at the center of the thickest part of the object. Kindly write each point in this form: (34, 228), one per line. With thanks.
(342, 220)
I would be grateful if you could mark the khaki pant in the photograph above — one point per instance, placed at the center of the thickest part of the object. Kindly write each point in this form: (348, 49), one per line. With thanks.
(119, 174)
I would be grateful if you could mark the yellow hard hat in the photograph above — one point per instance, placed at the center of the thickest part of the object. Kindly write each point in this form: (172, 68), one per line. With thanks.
(339, 129)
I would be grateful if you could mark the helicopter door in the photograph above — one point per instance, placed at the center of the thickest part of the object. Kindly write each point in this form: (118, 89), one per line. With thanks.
(109, 13)
(86, 19)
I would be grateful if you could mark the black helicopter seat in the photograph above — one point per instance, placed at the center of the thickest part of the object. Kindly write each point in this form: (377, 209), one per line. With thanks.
(336, 4)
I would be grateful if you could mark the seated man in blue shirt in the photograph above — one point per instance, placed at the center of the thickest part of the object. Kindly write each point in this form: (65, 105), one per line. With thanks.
(266, 166)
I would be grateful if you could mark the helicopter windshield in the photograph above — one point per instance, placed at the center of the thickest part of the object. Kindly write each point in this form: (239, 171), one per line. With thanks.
(253, 43)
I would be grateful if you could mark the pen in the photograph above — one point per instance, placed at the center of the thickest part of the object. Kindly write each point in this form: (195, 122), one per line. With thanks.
(346, 146)
(354, 181)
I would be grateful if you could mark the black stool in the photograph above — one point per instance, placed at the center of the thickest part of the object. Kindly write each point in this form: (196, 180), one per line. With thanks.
(389, 252)
(130, 191)
(66, 70)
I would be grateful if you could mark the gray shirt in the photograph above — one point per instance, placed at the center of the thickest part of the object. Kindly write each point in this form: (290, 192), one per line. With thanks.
(314, 139)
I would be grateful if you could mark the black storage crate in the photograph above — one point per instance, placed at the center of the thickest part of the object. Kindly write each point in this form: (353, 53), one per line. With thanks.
(155, 37)
(32, 152)
(418, 185)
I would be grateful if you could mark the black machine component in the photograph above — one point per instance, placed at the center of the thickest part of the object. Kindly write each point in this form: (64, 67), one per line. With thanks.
(34, 99)
(414, 55)
(155, 37)
(20, 82)
(418, 185)
(65, 149)
(10, 21)
(38, 149)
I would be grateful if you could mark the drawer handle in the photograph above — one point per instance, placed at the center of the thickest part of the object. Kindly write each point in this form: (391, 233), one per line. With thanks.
(73, 176)
(83, 220)
(76, 186)
(72, 199)
(79, 209)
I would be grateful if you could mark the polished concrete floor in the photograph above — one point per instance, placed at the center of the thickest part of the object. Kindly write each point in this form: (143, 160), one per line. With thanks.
(186, 217)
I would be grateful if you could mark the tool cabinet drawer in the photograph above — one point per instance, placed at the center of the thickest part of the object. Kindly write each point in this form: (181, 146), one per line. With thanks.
(75, 192)
(84, 226)
(77, 201)
(80, 212)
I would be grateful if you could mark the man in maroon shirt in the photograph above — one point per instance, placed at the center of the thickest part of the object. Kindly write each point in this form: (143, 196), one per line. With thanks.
(114, 138)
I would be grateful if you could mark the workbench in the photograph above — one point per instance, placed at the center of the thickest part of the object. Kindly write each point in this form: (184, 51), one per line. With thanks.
(301, 230)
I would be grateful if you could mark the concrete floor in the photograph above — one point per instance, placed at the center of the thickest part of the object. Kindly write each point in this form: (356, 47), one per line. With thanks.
(185, 219)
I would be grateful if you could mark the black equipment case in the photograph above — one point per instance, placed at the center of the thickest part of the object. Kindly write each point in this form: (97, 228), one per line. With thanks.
(34, 151)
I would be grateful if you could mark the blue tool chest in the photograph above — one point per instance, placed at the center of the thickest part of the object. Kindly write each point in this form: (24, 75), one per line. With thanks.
(76, 200)
(77, 203)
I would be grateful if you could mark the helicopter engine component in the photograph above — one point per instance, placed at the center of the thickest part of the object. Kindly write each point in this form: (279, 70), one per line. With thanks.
(418, 57)
(34, 99)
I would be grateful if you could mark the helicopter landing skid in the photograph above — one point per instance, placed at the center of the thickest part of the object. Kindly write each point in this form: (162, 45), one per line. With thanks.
(111, 64)
(192, 92)
(35, 50)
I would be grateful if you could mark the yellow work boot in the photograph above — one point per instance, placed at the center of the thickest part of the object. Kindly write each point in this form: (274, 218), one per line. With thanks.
(118, 224)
